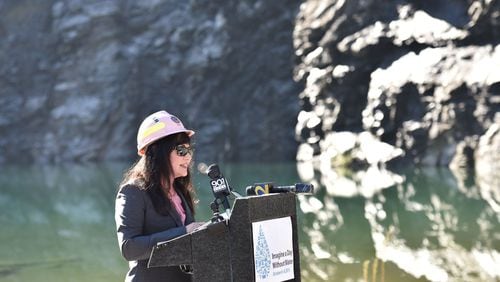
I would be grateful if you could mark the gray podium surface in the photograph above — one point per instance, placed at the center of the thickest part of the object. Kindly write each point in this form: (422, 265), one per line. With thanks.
(224, 250)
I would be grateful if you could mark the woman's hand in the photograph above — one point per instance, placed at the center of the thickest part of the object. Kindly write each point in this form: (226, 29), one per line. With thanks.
(192, 226)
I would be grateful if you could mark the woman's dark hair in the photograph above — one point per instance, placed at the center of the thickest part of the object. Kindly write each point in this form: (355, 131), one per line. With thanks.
(154, 167)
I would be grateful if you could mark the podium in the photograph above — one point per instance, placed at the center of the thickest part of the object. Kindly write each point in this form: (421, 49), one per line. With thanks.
(224, 251)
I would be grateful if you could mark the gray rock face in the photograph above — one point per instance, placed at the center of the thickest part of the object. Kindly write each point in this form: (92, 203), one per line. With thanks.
(77, 77)
(421, 77)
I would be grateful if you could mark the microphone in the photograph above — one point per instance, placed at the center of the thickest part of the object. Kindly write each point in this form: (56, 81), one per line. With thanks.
(268, 188)
(219, 185)
(259, 188)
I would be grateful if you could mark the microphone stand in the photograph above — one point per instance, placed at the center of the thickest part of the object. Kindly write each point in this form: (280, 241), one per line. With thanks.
(214, 206)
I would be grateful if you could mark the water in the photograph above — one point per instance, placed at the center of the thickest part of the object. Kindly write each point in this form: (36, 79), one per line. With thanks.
(421, 225)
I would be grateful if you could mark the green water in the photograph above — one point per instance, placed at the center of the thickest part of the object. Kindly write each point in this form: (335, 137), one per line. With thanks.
(57, 224)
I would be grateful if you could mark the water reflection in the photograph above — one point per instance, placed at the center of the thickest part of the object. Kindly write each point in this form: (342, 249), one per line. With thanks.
(418, 225)
(57, 224)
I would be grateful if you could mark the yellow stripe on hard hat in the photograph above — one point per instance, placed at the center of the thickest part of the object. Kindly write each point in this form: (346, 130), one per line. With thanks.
(154, 128)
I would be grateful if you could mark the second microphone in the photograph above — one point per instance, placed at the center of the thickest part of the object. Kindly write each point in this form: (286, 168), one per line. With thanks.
(269, 187)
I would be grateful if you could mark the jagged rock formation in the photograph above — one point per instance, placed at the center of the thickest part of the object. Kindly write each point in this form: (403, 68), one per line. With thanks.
(422, 78)
(77, 77)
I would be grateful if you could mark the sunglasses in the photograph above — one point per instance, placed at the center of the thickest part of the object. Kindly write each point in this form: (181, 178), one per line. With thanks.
(182, 150)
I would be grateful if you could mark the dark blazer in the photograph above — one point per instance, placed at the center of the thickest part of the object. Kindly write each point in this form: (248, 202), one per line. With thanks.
(139, 227)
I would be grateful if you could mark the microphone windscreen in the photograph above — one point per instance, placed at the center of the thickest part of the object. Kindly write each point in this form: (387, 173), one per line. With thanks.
(213, 171)
(304, 188)
(250, 191)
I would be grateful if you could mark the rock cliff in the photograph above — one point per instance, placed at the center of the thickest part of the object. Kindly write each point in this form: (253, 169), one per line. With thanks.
(77, 77)
(418, 82)
(421, 78)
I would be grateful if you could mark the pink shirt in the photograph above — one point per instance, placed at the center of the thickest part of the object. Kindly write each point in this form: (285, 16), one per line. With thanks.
(177, 202)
